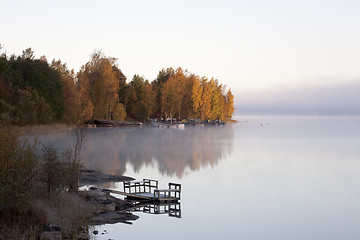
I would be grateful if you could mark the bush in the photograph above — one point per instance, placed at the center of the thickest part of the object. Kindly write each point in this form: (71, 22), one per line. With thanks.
(52, 170)
(18, 165)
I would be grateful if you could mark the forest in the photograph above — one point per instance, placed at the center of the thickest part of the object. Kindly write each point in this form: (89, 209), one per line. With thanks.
(35, 91)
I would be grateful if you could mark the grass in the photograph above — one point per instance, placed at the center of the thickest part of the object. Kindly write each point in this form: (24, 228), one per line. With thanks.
(67, 210)
(42, 129)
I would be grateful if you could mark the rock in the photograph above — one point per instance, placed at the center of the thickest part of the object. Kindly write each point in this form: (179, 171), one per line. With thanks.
(51, 232)
(106, 206)
(103, 201)
(93, 177)
(95, 232)
(109, 207)
(113, 217)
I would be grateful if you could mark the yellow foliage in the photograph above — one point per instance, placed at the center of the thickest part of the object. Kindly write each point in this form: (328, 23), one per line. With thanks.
(119, 113)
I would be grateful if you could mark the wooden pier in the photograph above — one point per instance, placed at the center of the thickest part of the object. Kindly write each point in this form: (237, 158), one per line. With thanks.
(147, 190)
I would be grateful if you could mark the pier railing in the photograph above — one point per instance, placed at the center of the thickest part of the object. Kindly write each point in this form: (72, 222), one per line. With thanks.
(173, 191)
(146, 185)
(149, 189)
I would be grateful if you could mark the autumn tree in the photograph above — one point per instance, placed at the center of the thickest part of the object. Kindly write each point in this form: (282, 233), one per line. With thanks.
(217, 101)
(229, 105)
(104, 88)
(34, 92)
(72, 103)
(102, 79)
(186, 87)
(205, 108)
(140, 99)
(158, 85)
(173, 93)
(196, 96)
(186, 95)
(83, 88)
(119, 112)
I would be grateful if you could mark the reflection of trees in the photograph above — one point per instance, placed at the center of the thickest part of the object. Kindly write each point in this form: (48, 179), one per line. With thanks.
(172, 150)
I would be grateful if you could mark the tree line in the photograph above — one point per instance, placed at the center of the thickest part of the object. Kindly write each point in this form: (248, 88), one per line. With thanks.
(34, 91)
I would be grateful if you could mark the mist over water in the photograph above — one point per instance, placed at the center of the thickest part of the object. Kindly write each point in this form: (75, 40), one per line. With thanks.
(110, 150)
(262, 178)
(339, 99)
(172, 150)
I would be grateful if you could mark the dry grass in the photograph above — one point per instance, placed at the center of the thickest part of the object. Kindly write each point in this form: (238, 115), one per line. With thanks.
(22, 229)
(42, 129)
(70, 212)
(67, 210)
(16, 232)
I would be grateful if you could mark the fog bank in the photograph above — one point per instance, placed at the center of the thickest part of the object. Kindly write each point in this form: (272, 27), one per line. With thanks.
(341, 99)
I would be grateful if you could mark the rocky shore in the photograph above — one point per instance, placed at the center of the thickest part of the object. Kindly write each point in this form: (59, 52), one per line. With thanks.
(103, 208)
(106, 208)
(91, 177)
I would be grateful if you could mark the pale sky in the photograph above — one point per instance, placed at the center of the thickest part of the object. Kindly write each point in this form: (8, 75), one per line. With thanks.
(250, 46)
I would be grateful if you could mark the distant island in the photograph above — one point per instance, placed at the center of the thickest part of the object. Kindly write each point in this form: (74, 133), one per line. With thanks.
(34, 91)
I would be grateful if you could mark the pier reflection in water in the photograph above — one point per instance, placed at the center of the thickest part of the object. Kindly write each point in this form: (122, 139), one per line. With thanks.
(171, 209)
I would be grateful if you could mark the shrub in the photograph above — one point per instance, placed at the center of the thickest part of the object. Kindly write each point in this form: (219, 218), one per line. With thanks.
(17, 172)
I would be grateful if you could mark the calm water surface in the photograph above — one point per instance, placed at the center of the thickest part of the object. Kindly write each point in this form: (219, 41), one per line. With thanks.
(262, 178)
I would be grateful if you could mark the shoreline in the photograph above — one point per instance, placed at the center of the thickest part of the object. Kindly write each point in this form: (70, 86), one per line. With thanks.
(100, 208)
(90, 177)
(54, 128)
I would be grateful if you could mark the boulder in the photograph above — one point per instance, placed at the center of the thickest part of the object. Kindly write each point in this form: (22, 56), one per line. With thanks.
(103, 201)
(113, 217)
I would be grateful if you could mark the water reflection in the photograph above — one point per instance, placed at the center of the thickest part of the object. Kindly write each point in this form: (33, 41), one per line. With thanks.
(171, 209)
(172, 151)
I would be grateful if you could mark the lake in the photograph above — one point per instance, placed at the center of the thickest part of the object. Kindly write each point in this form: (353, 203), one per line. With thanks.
(261, 178)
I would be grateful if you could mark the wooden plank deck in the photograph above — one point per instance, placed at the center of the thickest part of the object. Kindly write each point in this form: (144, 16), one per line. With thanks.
(147, 190)
(144, 195)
